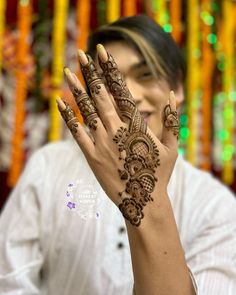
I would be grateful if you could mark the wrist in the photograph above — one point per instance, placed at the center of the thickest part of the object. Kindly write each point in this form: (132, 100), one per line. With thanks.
(157, 214)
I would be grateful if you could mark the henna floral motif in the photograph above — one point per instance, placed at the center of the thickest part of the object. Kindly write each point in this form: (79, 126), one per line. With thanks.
(132, 211)
(91, 75)
(70, 118)
(86, 107)
(122, 95)
(142, 155)
(171, 121)
(135, 189)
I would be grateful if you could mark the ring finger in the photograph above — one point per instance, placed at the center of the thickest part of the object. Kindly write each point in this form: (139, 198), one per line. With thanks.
(85, 103)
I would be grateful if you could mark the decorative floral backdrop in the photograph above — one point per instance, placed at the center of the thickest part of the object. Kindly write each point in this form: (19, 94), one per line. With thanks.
(38, 38)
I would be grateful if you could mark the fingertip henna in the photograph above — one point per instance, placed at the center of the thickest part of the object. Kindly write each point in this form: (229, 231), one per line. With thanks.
(86, 107)
(171, 120)
(70, 118)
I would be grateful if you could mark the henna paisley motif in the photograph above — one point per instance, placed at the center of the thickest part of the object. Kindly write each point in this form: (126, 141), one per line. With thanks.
(70, 118)
(171, 121)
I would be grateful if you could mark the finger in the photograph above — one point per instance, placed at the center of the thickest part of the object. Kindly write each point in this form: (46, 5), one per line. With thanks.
(104, 105)
(78, 132)
(171, 123)
(118, 88)
(85, 104)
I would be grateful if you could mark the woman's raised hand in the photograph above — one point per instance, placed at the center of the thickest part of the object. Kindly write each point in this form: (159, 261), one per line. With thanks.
(128, 160)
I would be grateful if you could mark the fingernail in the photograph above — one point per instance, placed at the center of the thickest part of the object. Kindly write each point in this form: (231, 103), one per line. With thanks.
(67, 71)
(102, 53)
(60, 104)
(82, 57)
(172, 94)
(71, 78)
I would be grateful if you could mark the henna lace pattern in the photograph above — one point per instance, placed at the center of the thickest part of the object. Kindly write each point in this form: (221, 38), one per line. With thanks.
(71, 120)
(122, 96)
(86, 107)
(171, 121)
(142, 155)
(141, 161)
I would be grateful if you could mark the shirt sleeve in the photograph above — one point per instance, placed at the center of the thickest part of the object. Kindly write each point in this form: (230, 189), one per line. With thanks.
(212, 254)
(20, 254)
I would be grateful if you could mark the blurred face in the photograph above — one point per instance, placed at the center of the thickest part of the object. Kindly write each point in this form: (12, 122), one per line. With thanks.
(150, 93)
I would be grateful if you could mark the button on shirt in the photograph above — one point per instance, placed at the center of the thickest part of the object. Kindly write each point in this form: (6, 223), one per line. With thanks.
(60, 233)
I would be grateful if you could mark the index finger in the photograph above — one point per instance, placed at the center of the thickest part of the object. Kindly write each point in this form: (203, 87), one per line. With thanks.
(118, 88)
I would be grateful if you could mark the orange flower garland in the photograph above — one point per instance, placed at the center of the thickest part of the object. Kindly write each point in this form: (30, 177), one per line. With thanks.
(228, 84)
(24, 26)
(206, 79)
(2, 27)
(175, 18)
(83, 19)
(193, 79)
(129, 7)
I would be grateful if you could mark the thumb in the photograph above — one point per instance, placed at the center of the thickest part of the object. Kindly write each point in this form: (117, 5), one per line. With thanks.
(171, 128)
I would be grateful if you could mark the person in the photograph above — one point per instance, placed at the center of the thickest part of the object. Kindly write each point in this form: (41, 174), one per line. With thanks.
(115, 210)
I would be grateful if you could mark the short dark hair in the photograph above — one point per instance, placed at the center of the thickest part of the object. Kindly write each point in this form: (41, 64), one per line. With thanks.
(158, 48)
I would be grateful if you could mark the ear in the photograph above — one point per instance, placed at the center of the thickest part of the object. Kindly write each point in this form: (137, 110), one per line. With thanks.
(179, 94)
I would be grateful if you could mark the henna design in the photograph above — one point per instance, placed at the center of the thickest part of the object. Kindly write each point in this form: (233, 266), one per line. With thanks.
(71, 120)
(92, 76)
(142, 155)
(171, 121)
(122, 96)
(86, 107)
(132, 211)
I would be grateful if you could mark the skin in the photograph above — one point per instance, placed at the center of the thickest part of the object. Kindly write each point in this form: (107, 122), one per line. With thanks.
(150, 94)
(155, 245)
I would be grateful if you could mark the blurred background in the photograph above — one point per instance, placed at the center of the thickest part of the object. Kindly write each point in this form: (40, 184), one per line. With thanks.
(38, 38)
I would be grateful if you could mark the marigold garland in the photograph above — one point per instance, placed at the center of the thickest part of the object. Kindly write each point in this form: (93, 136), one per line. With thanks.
(58, 46)
(207, 61)
(2, 28)
(129, 7)
(175, 18)
(83, 20)
(161, 13)
(228, 87)
(24, 26)
(193, 79)
(210, 35)
(113, 10)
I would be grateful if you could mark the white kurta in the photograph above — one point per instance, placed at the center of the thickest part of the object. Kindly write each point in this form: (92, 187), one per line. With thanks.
(49, 249)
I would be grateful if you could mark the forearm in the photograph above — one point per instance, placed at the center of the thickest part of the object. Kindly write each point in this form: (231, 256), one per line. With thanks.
(157, 256)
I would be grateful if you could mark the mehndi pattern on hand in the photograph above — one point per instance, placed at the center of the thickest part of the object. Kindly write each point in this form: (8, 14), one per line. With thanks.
(70, 118)
(171, 121)
(142, 155)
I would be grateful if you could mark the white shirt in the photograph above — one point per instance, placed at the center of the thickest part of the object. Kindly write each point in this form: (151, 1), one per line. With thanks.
(48, 249)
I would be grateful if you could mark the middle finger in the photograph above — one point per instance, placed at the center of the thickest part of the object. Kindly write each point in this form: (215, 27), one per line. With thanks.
(104, 105)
